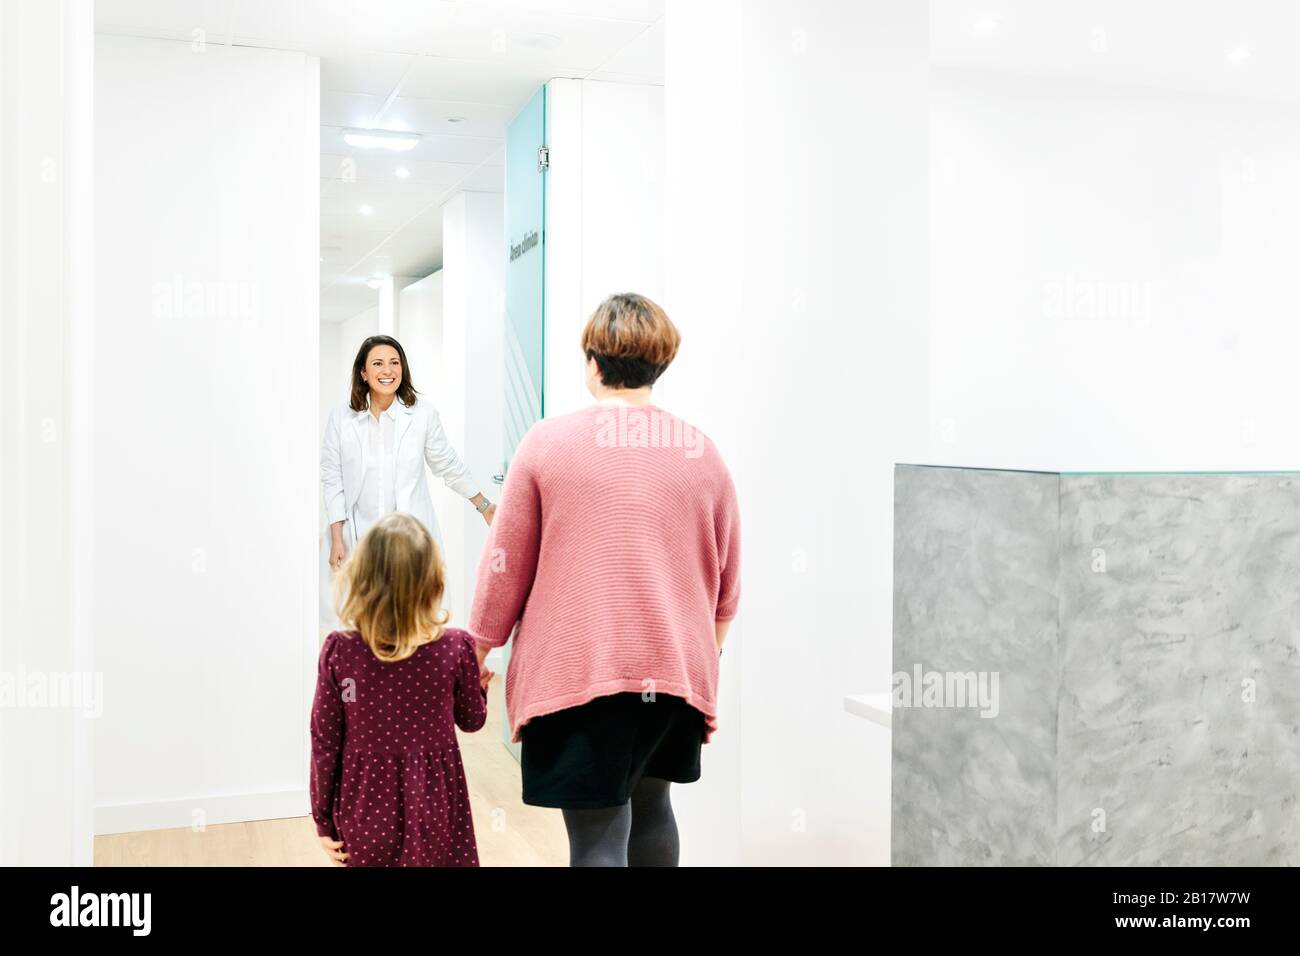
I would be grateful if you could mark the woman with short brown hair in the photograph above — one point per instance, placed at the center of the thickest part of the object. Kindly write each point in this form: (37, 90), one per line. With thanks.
(616, 553)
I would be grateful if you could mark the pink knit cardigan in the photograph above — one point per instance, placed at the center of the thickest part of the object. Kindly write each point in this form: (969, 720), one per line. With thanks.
(615, 547)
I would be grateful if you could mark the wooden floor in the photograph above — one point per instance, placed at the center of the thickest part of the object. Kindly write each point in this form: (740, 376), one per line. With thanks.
(508, 832)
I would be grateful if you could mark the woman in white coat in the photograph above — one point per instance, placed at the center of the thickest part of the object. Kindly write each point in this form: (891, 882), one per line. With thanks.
(376, 447)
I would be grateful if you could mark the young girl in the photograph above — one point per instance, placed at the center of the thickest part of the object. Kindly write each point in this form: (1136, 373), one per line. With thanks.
(387, 782)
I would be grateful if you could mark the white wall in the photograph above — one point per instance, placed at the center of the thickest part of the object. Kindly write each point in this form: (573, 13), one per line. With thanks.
(419, 329)
(1113, 275)
(331, 361)
(206, 342)
(332, 389)
(703, 278)
(604, 215)
(795, 195)
(352, 332)
(471, 388)
(46, 311)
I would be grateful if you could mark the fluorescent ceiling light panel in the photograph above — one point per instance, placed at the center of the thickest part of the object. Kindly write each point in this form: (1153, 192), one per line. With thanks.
(380, 139)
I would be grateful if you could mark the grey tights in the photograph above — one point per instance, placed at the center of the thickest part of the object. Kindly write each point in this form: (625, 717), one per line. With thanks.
(641, 832)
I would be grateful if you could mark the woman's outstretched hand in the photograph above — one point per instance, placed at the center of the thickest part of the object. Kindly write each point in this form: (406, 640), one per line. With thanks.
(489, 514)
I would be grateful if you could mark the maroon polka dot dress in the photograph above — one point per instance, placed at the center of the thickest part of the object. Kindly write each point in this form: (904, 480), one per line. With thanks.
(386, 773)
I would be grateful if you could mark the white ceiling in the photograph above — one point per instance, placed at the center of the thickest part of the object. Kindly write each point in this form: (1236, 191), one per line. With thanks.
(1232, 47)
(413, 65)
(416, 64)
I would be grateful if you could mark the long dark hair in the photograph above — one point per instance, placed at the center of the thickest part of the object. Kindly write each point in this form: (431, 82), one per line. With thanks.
(360, 398)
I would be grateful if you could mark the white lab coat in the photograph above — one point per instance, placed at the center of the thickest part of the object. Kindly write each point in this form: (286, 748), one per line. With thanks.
(418, 438)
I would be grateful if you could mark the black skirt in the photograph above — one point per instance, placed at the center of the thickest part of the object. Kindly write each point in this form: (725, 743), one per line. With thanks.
(594, 755)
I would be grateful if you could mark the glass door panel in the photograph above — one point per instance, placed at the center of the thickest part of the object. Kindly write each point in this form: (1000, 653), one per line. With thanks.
(525, 207)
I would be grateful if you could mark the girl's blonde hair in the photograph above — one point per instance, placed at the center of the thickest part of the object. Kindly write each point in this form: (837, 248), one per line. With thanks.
(390, 588)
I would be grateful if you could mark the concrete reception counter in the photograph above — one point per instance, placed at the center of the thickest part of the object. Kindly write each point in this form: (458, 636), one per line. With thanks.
(1095, 668)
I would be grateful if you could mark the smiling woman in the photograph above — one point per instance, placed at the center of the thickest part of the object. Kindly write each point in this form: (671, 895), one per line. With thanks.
(375, 449)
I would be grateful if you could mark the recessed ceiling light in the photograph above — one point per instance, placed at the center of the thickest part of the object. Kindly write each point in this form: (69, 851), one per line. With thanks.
(366, 209)
(539, 41)
(455, 119)
(986, 26)
(380, 139)
(401, 172)
(1238, 55)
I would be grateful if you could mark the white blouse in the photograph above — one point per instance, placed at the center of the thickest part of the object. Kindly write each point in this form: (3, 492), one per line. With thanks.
(378, 494)
(371, 467)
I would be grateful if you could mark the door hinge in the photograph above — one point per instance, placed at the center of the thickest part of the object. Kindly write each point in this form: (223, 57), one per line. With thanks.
(543, 158)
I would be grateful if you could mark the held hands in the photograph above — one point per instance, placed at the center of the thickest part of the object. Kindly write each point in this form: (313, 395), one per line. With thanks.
(334, 850)
(484, 675)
